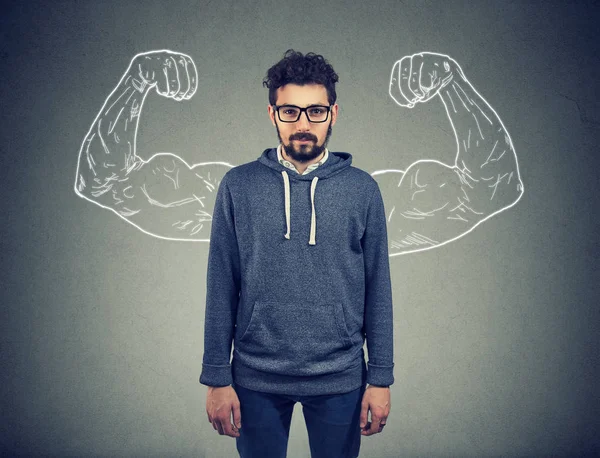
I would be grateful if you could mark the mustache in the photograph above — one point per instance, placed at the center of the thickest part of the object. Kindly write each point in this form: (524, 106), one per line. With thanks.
(303, 136)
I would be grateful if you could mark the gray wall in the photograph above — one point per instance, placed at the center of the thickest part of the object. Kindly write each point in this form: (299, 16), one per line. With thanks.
(102, 326)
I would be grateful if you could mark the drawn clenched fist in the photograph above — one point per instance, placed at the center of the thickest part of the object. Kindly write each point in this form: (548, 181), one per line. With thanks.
(420, 77)
(173, 74)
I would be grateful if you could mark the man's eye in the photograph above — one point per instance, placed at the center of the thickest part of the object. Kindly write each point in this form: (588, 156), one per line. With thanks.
(290, 111)
(316, 111)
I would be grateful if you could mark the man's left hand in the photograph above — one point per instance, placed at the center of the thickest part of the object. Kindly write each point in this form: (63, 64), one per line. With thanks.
(376, 400)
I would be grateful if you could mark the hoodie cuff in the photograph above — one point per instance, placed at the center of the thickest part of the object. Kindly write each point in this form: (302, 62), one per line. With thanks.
(216, 375)
(380, 375)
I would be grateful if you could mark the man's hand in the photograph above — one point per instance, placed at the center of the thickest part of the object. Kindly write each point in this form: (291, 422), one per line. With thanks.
(420, 77)
(376, 399)
(221, 402)
(173, 74)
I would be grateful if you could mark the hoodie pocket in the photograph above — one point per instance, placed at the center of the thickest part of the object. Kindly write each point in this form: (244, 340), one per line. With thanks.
(295, 338)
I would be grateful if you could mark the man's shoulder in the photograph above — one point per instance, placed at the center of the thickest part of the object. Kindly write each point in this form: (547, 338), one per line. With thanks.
(359, 176)
(243, 172)
(360, 173)
(359, 183)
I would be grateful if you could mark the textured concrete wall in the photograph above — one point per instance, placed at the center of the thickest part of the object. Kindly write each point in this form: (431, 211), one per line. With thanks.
(496, 345)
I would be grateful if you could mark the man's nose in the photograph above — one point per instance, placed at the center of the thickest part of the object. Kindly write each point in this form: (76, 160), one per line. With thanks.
(303, 123)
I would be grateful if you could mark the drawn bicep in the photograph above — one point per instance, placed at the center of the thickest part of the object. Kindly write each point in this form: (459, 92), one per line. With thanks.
(426, 206)
(167, 198)
(432, 189)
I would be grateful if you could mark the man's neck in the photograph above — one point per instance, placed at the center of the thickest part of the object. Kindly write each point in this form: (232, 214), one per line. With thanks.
(301, 166)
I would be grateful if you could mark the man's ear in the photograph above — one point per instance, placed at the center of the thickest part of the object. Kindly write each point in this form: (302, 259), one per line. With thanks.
(334, 113)
(271, 114)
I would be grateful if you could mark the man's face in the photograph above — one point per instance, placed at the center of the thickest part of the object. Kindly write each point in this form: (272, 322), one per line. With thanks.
(302, 140)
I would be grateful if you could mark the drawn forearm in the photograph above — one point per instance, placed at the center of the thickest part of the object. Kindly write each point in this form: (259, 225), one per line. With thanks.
(108, 152)
(485, 156)
(117, 125)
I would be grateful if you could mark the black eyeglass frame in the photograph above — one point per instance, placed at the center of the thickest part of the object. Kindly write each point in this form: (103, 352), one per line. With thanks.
(303, 110)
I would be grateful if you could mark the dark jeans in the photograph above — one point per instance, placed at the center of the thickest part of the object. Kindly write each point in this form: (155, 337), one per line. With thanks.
(332, 422)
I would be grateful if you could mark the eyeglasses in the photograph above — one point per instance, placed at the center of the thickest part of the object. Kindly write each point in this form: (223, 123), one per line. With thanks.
(292, 113)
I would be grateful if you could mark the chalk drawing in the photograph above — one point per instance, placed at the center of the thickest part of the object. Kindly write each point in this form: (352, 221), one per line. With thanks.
(429, 204)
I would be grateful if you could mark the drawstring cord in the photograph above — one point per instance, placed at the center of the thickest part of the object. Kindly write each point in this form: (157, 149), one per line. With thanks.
(313, 218)
(286, 182)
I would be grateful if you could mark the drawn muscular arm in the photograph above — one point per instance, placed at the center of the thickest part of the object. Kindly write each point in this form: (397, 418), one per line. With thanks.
(163, 196)
(432, 203)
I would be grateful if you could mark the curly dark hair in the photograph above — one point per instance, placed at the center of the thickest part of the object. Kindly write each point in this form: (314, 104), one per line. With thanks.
(300, 69)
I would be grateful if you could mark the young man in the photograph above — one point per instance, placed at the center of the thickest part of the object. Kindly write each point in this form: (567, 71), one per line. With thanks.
(298, 278)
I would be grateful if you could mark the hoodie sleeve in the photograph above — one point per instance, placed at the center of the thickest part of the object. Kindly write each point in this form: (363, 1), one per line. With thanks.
(379, 324)
(222, 292)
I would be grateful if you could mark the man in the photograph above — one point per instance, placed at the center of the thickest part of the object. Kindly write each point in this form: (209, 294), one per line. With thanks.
(298, 278)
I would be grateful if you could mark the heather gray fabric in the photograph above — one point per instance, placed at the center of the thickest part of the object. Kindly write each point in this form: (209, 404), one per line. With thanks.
(298, 314)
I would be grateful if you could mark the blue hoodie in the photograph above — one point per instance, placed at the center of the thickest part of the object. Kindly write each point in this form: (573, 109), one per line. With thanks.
(298, 278)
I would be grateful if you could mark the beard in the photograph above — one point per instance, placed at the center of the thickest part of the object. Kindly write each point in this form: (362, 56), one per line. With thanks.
(305, 153)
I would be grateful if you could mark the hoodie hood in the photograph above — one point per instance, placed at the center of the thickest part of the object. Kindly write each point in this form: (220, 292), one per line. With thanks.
(336, 162)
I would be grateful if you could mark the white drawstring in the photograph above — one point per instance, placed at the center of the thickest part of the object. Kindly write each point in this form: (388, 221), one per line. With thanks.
(313, 218)
(286, 187)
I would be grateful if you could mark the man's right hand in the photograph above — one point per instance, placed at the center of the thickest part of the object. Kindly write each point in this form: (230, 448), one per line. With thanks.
(221, 402)
(173, 74)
